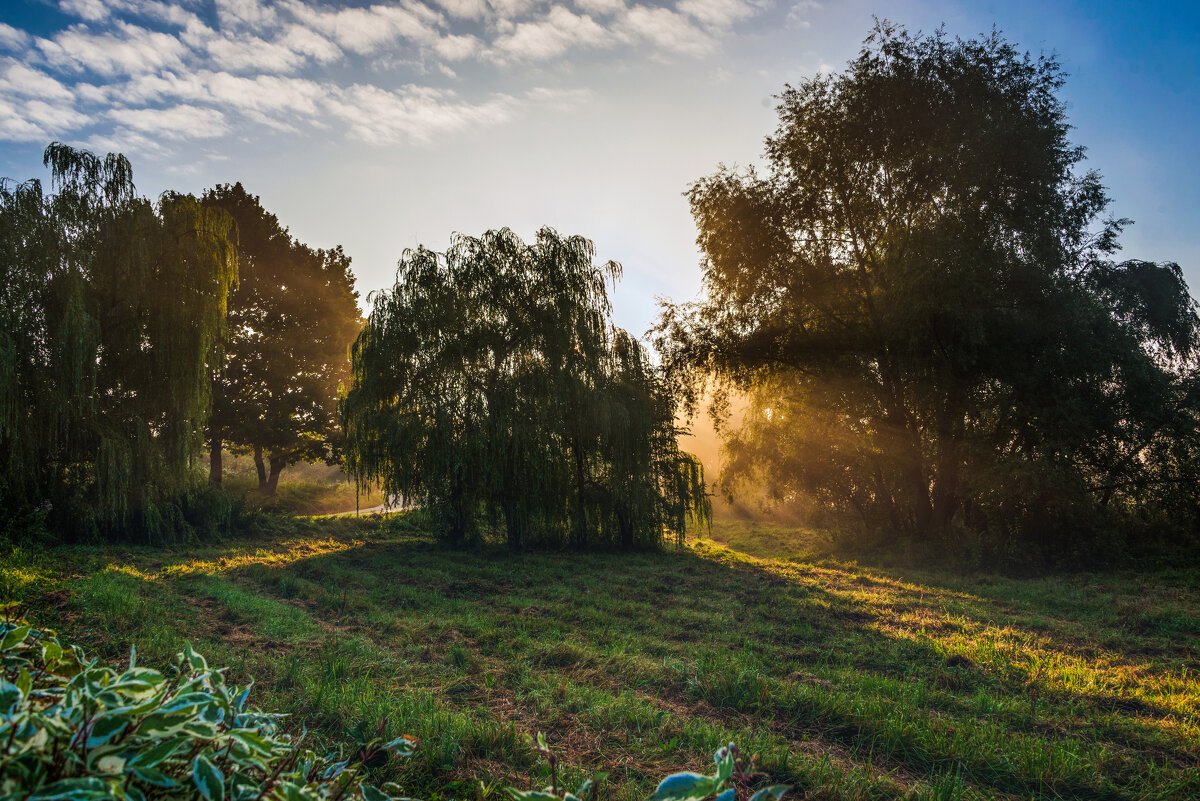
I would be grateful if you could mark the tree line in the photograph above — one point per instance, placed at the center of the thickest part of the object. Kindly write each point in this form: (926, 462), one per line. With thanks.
(918, 295)
(490, 384)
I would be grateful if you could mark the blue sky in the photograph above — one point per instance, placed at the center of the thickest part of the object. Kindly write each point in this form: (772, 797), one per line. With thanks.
(383, 125)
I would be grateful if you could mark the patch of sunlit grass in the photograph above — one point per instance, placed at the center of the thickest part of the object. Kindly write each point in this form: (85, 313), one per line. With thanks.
(850, 682)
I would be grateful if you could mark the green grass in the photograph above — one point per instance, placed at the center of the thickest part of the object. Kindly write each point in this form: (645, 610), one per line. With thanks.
(849, 682)
(300, 497)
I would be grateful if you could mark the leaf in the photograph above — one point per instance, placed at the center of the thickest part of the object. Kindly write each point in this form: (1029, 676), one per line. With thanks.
(775, 791)
(728, 795)
(370, 793)
(155, 777)
(209, 779)
(194, 659)
(71, 789)
(152, 756)
(104, 729)
(14, 637)
(10, 696)
(682, 786)
(24, 682)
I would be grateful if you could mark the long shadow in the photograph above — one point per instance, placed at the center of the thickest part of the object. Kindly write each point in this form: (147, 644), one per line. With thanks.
(543, 592)
(767, 620)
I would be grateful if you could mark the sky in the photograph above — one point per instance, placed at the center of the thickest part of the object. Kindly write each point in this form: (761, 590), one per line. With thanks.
(388, 124)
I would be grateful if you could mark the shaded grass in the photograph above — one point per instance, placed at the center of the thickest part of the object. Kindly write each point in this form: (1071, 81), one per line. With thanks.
(849, 682)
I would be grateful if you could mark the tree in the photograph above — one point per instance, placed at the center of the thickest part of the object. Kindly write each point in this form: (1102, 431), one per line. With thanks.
(918, 296)
(112, 307)
(490, 386)
(291, 321)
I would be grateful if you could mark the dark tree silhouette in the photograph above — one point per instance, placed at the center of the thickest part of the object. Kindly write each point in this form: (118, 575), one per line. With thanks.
(490, 385)
(292, 318)
(918, 296)
(111, 307)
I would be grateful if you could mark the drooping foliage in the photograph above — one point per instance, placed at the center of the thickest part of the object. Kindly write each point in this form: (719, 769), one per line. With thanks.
(112, 307)
(292, 318)
(490, 385)
(918, 296)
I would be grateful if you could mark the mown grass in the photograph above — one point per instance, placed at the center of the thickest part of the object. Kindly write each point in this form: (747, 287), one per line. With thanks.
(849, 682)
(331, 496)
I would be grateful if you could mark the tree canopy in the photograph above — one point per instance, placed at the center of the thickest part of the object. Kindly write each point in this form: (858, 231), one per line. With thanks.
(292, 318)
(919, 296)
(490, 385)
(111, 309)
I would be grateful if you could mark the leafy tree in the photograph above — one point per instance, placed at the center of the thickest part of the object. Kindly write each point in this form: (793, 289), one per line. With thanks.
(490, 385)
(112, 307)
(291, 321)
(919, 298)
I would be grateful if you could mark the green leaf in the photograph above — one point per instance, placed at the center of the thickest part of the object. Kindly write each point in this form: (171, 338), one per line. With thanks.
(10, 696)
(14, 637)
(727, 795)
(209, 779)
(683, 786)
(370, 793)
(71, 789)
(24, 682)
(104, 729)
(195, 661)
(152, 756)
(155, 777)
(775, 791)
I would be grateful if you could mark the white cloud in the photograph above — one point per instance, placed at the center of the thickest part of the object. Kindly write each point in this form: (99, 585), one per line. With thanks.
(601, 7)
(244, 14)
(414, 113)
(365, 30)
(252, 54)
(18, 79)
(718, 13)
(550, 37)
(15, 128)
(12, 38)
(129, 50)
(176, 122)
(310, 43)
(91, 10)
(456, 48)
(666, 30)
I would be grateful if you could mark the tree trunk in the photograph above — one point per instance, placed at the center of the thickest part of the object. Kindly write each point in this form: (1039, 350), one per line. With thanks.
(277, 465)
(261, 468)
(214, 461)
(626, 526)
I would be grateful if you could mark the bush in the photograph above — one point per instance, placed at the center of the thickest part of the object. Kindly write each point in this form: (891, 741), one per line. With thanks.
(74, 730)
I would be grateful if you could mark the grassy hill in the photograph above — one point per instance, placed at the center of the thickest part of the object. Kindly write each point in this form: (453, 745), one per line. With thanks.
(848, 682)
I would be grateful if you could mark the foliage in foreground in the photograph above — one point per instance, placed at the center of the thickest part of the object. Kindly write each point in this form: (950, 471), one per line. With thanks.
(491, 387)
(74, 730)
(920, 298)
(110, 308)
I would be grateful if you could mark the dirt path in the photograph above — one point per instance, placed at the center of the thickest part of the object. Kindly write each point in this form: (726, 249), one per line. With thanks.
(374, 510)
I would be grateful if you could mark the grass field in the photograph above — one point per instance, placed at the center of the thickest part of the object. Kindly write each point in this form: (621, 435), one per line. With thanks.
(848, 682)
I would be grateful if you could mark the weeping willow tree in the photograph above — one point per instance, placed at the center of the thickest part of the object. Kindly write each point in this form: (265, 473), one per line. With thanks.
(490, 386)
(111, 307)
